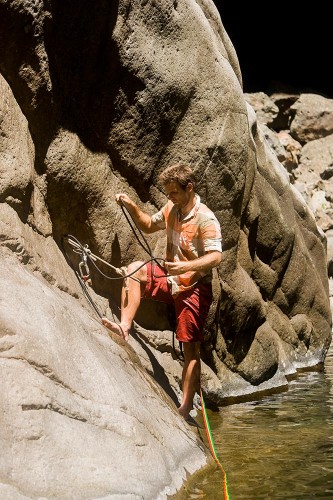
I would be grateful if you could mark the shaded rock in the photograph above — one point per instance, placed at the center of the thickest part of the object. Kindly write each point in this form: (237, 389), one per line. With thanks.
(284, 102)
(257, 367)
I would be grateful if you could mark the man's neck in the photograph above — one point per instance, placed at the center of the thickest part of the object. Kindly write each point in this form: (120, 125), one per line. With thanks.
(186, 209)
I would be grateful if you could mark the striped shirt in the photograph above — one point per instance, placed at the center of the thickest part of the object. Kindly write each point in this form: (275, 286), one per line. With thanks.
(188, 238)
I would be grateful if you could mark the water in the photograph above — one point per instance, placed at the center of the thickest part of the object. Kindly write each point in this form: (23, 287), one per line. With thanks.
(278, 447)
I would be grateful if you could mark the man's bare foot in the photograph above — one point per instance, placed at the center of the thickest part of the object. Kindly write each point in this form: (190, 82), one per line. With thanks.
(115, 328)
(184, 412)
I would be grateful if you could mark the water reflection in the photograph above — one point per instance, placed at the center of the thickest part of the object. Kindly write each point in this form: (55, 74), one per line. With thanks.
(278, 447)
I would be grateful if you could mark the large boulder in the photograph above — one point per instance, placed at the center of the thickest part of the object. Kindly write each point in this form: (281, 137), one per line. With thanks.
(80, 416)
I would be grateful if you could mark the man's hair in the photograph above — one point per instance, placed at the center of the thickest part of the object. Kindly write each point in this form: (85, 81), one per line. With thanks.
(180, 173)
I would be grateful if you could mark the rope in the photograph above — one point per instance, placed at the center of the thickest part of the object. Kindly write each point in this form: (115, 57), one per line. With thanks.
(212, 446)
(135, 228)
(82, 282)
(86, 255)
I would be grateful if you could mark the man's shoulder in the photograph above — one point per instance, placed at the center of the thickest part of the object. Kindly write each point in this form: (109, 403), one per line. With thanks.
(204, 207)
(205, 211)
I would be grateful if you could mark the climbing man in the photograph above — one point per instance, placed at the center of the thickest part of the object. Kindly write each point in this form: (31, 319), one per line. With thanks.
(193, 248)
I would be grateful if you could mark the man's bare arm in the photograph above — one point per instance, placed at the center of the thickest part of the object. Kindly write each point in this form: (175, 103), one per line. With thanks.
(142, 219)
(208, 261)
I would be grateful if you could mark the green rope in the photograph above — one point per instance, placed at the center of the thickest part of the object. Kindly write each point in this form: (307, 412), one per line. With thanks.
(213, 448)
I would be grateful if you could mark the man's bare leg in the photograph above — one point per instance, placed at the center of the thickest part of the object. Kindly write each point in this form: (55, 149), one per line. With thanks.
(130, 301)
(190, 376)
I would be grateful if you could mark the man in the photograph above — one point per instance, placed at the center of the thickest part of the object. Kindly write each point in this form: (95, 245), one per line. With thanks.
(193, 249)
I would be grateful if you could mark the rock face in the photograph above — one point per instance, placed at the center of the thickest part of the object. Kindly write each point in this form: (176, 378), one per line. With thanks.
(300, 132)
(97, 99)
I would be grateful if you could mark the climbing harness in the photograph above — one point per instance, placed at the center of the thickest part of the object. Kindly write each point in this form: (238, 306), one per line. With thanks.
(212, 446)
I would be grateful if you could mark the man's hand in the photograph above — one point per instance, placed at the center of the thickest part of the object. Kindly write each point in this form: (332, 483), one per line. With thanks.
(123, 198)
(208, 261)
(142, 219)
(175, 268)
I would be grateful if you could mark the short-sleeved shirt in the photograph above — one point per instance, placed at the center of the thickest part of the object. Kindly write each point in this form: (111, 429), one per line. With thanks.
(188, 238)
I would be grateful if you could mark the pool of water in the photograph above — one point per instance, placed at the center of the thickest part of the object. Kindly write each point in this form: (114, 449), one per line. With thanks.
(280, 446)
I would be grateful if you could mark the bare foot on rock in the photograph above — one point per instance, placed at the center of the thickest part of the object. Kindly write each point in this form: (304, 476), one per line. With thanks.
(184, 412)
(116, 328)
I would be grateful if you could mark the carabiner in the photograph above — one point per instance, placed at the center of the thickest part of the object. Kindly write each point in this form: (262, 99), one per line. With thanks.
(83, 267)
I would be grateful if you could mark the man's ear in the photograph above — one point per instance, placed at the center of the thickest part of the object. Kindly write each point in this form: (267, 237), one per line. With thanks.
(189, 186)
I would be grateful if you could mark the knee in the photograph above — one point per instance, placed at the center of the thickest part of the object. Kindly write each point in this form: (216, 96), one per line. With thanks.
(192, 350)
(138, 269)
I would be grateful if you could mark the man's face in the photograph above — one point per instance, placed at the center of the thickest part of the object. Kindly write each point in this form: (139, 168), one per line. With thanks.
(179, 196)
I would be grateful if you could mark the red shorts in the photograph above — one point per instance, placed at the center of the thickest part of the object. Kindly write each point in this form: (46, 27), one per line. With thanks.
(192, 306)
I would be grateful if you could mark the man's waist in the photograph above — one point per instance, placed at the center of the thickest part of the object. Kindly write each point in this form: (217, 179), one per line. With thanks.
(188, 280)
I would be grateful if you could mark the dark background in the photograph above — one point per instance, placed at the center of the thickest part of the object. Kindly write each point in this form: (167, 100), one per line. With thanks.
(281, 45)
